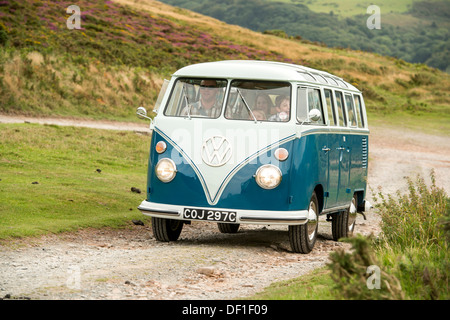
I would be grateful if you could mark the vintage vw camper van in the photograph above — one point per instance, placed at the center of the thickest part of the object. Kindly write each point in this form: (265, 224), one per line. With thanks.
(257, 142)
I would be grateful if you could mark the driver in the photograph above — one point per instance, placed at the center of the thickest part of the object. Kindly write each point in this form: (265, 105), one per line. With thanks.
(207, 104)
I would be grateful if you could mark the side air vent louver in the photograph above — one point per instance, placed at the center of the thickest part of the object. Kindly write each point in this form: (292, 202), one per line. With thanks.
(364, 153)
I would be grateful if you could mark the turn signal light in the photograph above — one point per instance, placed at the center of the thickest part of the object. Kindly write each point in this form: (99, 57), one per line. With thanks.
(161, 146)
(281, 154)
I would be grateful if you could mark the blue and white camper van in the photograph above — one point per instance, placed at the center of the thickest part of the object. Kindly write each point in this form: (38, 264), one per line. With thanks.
(257, 142)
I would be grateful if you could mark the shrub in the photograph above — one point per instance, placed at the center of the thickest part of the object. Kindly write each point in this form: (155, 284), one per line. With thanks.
(411, 251)
(413, 219)
(349, 273)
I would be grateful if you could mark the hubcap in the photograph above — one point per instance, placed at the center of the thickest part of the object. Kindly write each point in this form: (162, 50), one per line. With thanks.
(352, 216)
(312, 220)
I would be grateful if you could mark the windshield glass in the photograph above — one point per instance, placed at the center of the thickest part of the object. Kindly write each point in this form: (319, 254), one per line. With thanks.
(259, 101)
(196, 98)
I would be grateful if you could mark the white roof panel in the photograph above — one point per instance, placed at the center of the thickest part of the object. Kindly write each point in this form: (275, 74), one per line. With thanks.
(253, 69)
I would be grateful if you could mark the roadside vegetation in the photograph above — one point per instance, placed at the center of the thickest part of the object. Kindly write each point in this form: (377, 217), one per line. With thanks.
(409, 260)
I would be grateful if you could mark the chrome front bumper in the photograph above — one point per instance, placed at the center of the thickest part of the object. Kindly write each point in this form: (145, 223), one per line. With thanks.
(159, 210)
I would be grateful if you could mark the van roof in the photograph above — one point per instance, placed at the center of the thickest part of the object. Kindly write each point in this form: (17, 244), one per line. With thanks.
(262, 70)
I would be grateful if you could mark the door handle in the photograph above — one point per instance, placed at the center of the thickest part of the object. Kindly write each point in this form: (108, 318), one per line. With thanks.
(340, 148)
(326, 149)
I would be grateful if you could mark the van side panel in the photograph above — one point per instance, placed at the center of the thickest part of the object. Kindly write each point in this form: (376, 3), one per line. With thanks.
(309, 169)
(348, 158)
(358, 165)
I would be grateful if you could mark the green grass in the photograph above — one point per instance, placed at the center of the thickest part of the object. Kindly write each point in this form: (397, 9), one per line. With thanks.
(350, 8)
(436, 124)
(312, 286)
(70, 193)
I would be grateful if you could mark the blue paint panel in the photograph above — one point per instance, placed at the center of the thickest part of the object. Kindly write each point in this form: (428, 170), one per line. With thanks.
(308, 169)
(185, 189)
(242, 192)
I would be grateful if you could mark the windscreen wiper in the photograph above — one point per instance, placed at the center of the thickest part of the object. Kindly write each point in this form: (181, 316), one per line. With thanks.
(188, 105)
(248, 108)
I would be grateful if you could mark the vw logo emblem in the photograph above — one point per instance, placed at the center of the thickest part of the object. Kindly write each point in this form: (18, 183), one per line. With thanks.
(216, 151)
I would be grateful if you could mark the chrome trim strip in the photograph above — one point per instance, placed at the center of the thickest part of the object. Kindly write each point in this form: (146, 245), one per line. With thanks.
(335, 209)
(272, 220)
(159, 212)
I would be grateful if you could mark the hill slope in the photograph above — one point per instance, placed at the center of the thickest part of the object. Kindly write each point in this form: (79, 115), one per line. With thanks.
(126, 47)
(415, 31)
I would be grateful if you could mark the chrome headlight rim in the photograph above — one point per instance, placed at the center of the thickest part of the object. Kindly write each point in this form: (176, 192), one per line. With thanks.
(173, 170)
(259, 175)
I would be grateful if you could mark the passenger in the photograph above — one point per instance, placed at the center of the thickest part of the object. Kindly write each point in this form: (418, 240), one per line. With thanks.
(207, 104)
(275, 109)
(283, 109)
(264, 104)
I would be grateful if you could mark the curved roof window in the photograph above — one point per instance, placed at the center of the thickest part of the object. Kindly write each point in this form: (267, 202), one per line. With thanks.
(307, 76)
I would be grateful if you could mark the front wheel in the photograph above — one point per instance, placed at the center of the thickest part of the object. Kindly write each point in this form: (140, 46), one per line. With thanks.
(303, 237)
(166, 230)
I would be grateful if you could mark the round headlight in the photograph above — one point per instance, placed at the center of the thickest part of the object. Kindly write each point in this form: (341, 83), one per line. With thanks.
(268, 176)
(166, 170)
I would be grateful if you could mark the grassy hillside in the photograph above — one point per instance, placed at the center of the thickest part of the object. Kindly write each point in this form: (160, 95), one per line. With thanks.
(126, 47)
(113, 64)
(350, 8)
(415, 31)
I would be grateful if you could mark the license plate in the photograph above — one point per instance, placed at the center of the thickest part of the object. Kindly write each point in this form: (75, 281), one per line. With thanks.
(210, 215)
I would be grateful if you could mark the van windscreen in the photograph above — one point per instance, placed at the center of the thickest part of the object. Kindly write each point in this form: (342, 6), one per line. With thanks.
(196, 98)
(259, 100)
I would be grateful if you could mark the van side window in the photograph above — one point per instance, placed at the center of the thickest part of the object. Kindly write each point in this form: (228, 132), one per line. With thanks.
(307, 100)
(330, 107)
(359, 112)
(315, 102)
(350, 110)
(340, 107)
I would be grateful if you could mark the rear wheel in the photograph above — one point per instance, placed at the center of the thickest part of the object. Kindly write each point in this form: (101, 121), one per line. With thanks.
(303, 237)
(343, 223)
(166, 229)
(228, 227)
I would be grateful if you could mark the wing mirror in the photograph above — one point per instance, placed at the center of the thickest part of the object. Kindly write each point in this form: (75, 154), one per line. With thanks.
(314, 115)
(142, 113)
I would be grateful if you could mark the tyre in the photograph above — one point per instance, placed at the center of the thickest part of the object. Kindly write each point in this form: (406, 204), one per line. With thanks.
(343, 223)
(303, 237)
(166, 229)
(228, 227)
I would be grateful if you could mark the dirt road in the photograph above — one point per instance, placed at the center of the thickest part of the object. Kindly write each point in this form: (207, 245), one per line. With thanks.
(203, 264)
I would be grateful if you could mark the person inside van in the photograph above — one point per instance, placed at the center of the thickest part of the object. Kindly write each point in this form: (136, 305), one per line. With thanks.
(282, 110)
(207, 105)
(264, 104)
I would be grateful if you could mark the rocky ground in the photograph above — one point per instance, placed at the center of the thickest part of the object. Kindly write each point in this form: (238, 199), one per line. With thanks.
(204, 264)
